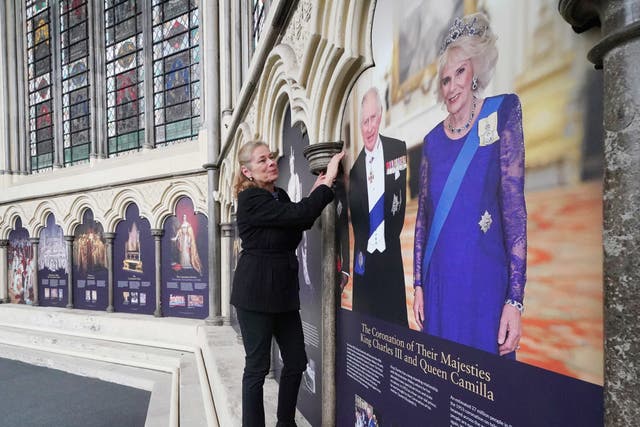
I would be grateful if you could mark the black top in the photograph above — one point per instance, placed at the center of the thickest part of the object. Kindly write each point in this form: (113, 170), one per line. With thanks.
(270, 226)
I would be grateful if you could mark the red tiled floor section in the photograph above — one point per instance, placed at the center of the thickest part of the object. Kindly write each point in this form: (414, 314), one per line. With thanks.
(562, 325)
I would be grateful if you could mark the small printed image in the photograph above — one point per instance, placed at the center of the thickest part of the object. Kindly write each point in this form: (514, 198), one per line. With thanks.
(309, 376)
(143, 298)
(94, 296)
(134, 298)
(365, 416)
(125, 297)
(47, 293)
(196, 300)
(176, 300)
(87, 295)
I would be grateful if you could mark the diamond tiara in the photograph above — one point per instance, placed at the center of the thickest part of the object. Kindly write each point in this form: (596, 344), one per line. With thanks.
(460, 28)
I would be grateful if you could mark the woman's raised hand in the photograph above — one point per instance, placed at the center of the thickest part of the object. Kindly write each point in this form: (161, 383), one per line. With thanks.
(332, 168)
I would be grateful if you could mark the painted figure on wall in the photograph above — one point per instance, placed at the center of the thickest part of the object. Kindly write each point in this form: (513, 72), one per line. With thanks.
(471, 238)
(185, 242)
(294, 189)
(377, 201)
(132, 259)
(90, 252)
(21, 266)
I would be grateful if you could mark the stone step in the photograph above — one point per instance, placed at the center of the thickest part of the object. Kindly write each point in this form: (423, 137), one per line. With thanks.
(164, 332)
(174, 353)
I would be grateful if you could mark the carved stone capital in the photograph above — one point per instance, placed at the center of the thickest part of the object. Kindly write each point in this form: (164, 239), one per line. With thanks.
(226, 229)
(319, 154)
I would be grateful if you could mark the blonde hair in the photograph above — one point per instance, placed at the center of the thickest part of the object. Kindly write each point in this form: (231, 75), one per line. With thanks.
(241, 182)
(480, 50)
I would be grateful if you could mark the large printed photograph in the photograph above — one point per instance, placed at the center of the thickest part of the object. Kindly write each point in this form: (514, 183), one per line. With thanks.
(473, 177)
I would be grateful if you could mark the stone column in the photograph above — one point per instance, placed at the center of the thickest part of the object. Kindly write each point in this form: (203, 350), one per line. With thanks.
(109, 238)
(226, 249)
(318, 156)
(157, 234)
(618, 55)
(4, 278)
(34, 250)
(210, 13)
(69, 242)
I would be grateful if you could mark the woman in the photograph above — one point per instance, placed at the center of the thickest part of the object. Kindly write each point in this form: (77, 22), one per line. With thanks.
(470, 240)
(265, 286)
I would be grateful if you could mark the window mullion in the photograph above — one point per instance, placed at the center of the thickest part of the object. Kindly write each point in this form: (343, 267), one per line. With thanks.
(97, 75)
(147, 31)
(56, 72)
(17, 76)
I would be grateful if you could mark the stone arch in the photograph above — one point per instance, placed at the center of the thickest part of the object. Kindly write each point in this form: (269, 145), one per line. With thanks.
(40, 214)
(119, 206)
(170, 196)
(10, 217)
(278, 88)
(77, 209)
(338, 52)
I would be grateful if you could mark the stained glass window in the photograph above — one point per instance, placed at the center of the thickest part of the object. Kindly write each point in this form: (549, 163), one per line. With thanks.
(176, 70)
(259, 16)
(39, 77)
(125, 75)
(74, 45)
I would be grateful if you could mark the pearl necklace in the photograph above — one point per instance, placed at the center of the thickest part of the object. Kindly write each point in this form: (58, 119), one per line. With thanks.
(466, 125)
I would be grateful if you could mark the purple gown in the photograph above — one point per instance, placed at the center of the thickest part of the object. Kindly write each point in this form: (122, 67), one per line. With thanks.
(473, 272)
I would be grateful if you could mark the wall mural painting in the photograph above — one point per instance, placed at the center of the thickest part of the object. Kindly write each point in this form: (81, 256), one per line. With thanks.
(90, 272)
(21, 265)
(185, 273)
(52, 266)
(134, 264)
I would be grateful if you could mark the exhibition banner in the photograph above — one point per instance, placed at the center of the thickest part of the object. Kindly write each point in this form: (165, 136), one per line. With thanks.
(471, 245)
(297, 181)
(134, 265)
(185, 274)
(399, 377)
(52, 266)
(21, 265)
(90, 272)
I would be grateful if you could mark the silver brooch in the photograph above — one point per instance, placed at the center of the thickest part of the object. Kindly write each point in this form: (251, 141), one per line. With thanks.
(395, 204)
(339, 208)
(485, 221)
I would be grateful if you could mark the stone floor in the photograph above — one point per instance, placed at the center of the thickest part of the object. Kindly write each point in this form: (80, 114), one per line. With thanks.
(563, 324)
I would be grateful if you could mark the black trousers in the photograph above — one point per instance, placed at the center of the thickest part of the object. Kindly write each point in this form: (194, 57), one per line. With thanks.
(257, 330)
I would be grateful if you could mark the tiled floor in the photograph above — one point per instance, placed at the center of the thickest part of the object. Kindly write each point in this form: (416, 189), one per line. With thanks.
(562, 325)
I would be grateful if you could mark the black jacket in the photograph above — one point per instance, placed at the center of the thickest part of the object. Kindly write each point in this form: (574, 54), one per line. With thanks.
(266, 277)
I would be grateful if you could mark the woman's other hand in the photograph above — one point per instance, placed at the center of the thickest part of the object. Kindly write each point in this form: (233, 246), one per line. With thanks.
(418, 306)
(510, 330)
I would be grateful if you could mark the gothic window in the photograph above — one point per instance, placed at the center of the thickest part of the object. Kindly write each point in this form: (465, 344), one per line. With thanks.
(176, 70)
(259, 15)
(74, 46)
(63, 83)
(40, 84)
(125, 75)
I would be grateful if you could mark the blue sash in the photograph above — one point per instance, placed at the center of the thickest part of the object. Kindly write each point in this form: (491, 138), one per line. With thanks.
(452, 185)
